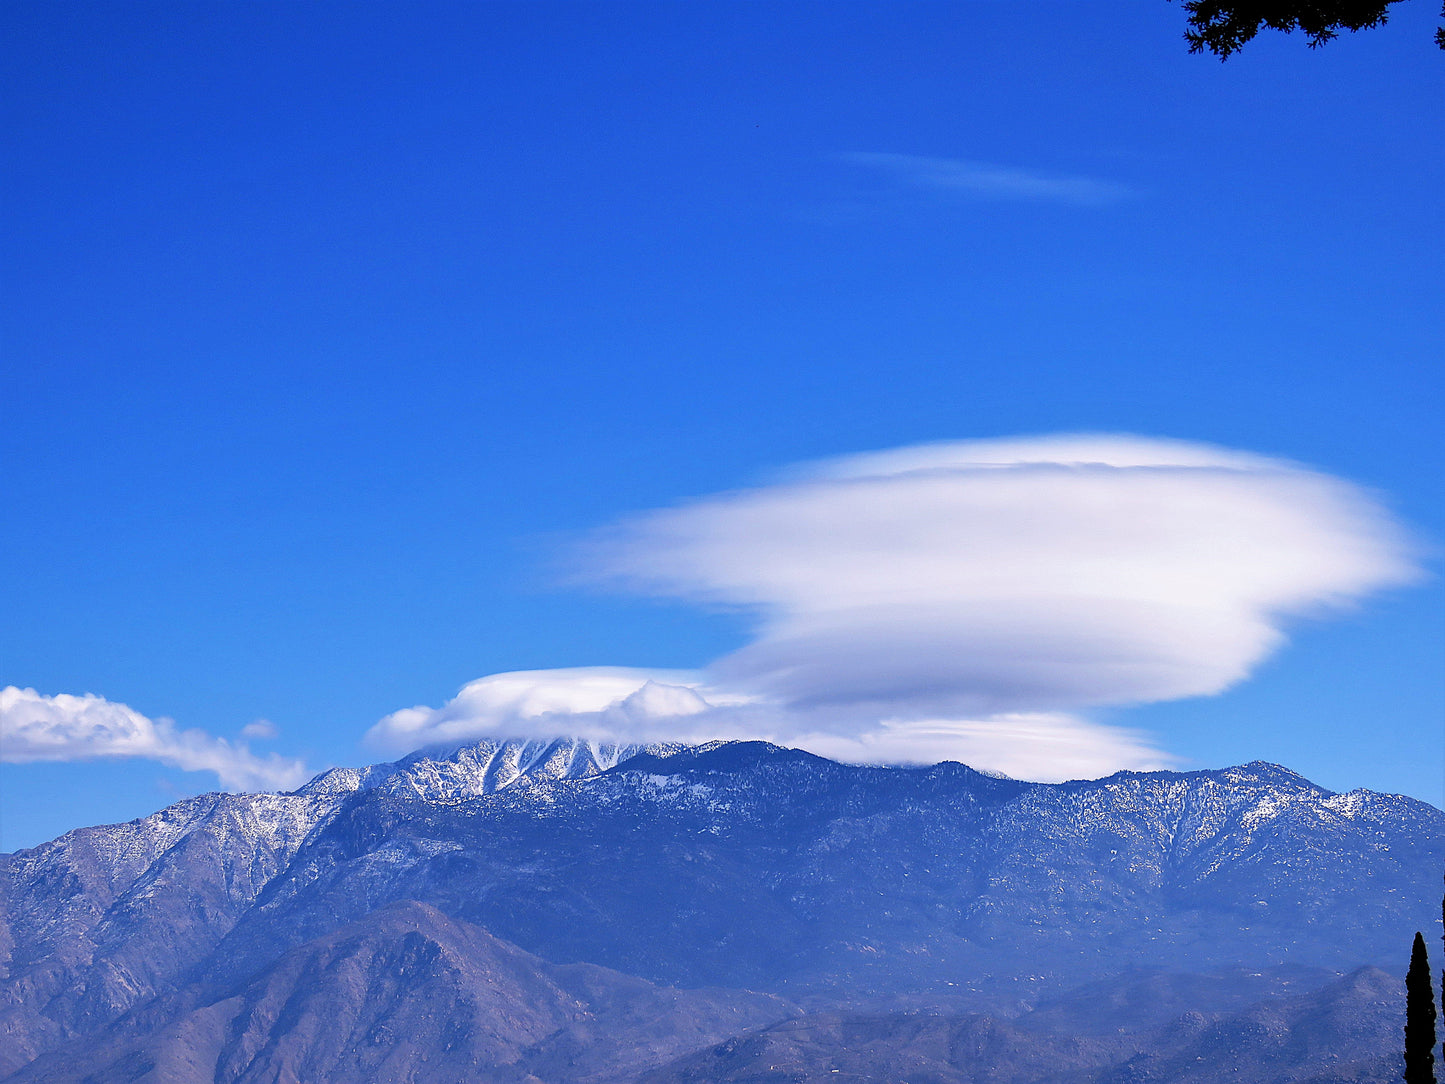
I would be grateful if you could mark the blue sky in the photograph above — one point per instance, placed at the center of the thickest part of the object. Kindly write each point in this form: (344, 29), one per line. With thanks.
(326, 326)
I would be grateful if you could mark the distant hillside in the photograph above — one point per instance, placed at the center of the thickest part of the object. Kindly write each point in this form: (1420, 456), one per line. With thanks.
(406, 988)
(1328, 1036)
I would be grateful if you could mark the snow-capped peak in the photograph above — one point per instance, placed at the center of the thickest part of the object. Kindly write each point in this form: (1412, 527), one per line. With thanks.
(453, 773)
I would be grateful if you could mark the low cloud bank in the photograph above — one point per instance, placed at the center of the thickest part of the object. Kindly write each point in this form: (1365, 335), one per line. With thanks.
(65, 727)
(963, 600)
(617, 704)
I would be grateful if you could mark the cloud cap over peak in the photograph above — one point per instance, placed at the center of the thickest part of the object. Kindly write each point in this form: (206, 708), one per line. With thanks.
(607, 702)
(634, 706)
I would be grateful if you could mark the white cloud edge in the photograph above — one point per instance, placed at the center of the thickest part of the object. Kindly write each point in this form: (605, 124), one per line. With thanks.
(65, 727)
(260, 730)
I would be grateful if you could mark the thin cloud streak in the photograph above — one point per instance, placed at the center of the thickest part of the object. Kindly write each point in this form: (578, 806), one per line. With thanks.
(985, 181)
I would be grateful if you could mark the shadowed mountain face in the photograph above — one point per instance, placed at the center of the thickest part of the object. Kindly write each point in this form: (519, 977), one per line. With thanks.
(732, 865)
(407, 994)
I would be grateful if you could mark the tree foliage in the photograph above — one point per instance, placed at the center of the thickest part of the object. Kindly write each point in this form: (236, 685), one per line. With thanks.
(1223, 26)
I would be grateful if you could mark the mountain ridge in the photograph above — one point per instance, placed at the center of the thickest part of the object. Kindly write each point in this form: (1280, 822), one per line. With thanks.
(740, 865)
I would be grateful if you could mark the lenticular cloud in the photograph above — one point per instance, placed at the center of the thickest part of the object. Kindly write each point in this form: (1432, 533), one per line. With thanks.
(963, 601)
(1014, 576)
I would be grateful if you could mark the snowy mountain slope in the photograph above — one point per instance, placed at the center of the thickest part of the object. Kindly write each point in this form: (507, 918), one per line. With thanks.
(104, 918)
(748, 865)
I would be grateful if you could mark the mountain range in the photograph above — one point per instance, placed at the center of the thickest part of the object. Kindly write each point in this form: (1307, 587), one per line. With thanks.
(569, 911)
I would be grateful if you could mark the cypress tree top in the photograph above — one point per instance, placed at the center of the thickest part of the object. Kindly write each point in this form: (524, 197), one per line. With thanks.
(1419, 1018)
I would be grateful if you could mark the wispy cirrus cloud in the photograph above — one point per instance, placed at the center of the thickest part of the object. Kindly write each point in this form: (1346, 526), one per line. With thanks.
(34, 727)
(968, 600)
(966, 179)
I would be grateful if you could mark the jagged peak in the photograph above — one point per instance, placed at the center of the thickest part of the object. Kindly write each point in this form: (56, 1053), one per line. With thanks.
(1269, 768)
(484, 766)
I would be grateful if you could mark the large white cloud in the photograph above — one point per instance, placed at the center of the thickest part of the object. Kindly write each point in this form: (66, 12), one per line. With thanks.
(965, 600)
(65, 727)
(1025, 575)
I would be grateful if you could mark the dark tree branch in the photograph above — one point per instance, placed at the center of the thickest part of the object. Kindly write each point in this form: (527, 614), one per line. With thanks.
(1223, 26)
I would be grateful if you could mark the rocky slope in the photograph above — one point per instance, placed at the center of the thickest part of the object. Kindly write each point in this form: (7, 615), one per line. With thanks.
(405, 994)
